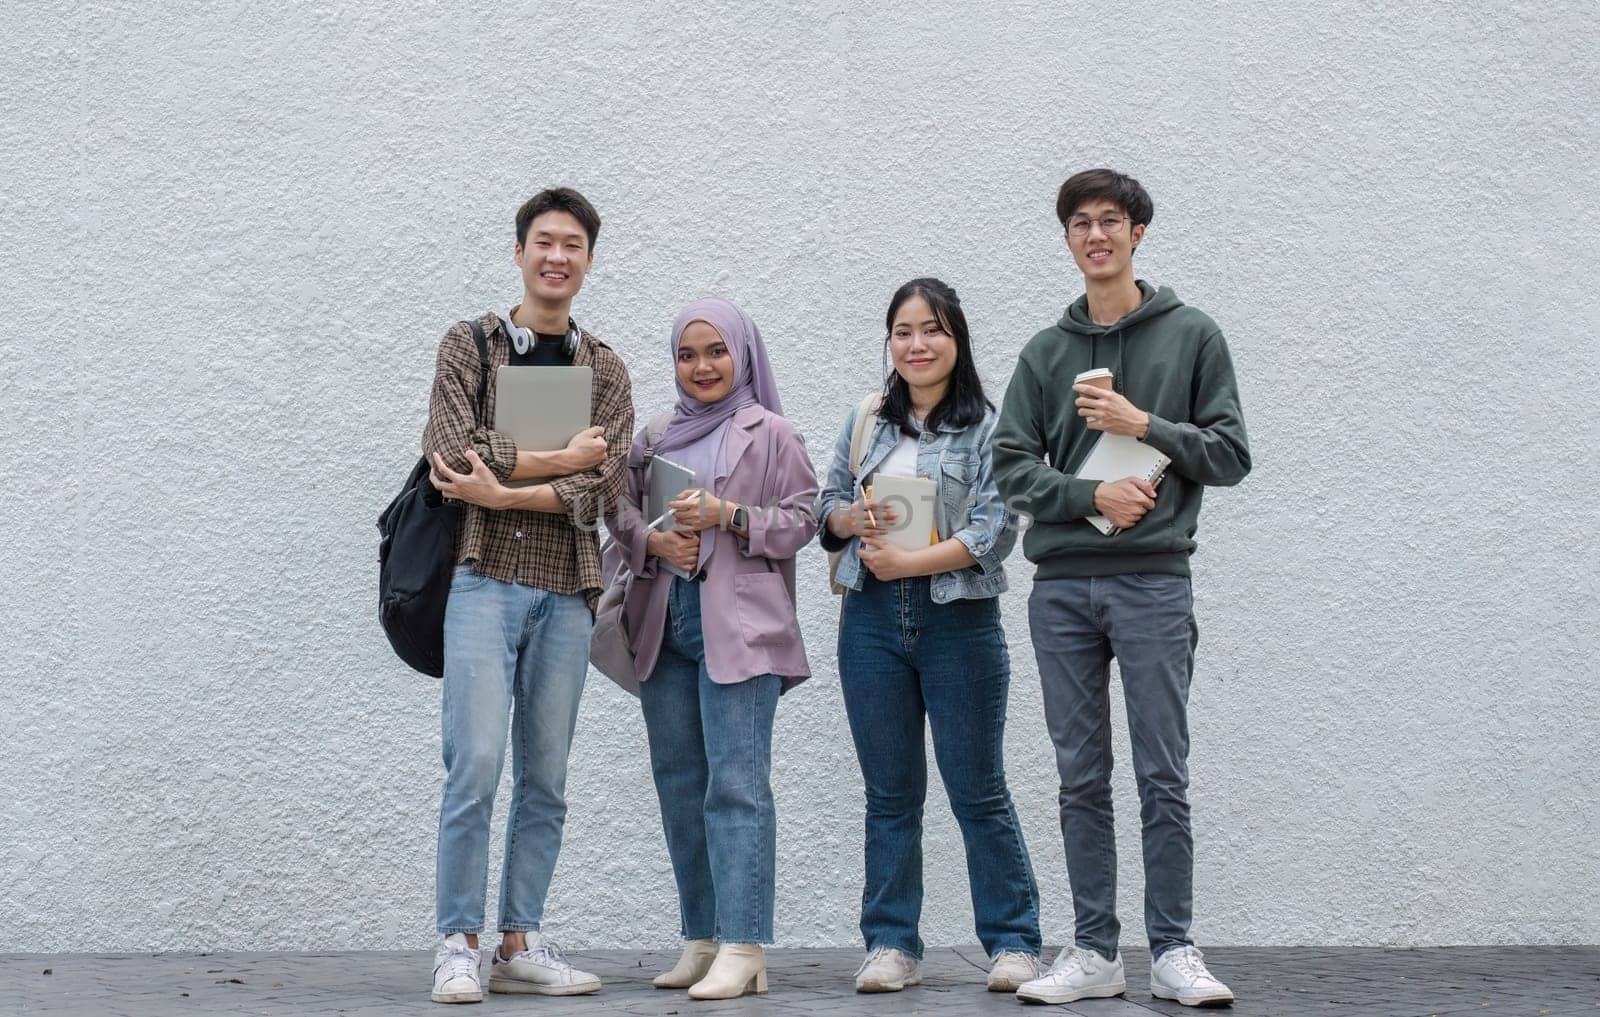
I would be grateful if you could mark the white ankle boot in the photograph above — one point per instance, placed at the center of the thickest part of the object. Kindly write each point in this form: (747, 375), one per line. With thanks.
(738, 969)
(692, 966)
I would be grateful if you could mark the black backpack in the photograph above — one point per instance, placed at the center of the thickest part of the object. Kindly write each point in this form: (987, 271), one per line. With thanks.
(417, 553)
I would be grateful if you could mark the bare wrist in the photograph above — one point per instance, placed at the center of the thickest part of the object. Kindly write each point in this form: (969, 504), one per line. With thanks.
(836, 526)
(1144, 426)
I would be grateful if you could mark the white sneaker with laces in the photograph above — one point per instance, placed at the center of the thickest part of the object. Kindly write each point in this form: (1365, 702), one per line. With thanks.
(1181, 974)
(888, 970)
(1010, 969)
(455, 972)
(539, 968)
(1076, 974)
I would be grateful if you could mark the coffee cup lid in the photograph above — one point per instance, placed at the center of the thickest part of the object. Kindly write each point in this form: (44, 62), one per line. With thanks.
(1098, 372)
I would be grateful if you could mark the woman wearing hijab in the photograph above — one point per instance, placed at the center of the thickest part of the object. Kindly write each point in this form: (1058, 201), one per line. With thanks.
(713, 652)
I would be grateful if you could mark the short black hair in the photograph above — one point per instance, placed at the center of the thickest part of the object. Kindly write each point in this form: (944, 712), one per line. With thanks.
(558, 199)
(964, 403)
(1106, 185)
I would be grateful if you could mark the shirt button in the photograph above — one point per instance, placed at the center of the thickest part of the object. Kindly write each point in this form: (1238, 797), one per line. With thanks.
(519, 534)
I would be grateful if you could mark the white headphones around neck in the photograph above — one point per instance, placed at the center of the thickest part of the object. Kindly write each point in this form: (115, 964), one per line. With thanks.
(522, 338)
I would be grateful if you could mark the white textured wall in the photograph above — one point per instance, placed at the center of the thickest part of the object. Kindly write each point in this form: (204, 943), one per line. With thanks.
(232, 239)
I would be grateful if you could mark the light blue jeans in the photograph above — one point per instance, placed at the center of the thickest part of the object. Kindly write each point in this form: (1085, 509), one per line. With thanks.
(711, 753)
(515, 657)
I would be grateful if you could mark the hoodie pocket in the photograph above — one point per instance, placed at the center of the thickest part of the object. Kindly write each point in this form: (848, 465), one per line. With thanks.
(766, 615)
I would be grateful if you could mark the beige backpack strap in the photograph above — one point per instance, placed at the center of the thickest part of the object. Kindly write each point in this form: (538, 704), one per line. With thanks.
(866, 420)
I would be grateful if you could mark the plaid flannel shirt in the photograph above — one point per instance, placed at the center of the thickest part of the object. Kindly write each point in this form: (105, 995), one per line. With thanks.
(555, 552)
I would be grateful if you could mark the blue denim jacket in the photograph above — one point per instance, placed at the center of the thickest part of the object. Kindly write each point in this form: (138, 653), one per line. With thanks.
(969, 507)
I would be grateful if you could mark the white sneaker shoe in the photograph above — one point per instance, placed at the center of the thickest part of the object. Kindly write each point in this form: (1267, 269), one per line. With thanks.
(1076, 974)
(1010, 969)
(1181, 974)
(455, 972)
(541, 969)
(888, 970)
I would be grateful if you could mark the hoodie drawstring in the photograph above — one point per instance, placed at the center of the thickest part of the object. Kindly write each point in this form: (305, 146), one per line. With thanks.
(1094, 356)
(1116, 378)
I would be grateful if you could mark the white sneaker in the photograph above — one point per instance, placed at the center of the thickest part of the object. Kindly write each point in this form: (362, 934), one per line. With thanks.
(888, 970)
(1010, 969)
(1181, 974)
(541, 969)
(1076, 974)
(455, 972)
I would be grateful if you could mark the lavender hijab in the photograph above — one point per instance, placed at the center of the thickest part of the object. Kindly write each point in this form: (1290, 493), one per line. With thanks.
(694, 421)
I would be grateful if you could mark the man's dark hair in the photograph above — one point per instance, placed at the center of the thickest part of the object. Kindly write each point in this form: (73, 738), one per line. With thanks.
(558, 199)
(964, 402)
(1105, 185)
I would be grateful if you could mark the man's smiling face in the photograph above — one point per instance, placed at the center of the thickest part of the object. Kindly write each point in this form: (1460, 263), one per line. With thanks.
(554, 256)
(1101, 239)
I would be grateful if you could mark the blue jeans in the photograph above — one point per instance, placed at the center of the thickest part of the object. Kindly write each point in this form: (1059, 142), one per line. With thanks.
(519, 654)
(711, 754)
(1145, 621)
(903, 657)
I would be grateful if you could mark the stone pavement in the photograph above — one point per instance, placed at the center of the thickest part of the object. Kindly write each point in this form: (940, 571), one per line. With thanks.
(1556, 981)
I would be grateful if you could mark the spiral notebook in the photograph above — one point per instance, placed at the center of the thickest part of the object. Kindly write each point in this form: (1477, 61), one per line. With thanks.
(1116, 457)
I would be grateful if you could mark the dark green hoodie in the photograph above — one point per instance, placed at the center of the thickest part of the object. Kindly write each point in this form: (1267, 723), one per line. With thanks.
(1169, 360)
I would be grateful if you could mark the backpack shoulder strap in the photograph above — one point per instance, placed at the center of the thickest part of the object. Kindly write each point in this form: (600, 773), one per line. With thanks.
(866, 420)
(482, 342)
(654, 428)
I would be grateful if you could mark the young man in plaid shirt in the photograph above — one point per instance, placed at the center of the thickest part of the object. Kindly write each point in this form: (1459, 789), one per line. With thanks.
(516, 639)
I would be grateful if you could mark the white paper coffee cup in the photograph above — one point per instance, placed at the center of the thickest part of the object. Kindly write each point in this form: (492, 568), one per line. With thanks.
(1100, 377)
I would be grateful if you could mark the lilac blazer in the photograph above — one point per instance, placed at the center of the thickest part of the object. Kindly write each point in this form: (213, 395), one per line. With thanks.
(747, 596)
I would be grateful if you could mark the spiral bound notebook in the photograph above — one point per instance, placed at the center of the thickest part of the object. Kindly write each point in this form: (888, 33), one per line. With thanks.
(1116, 457)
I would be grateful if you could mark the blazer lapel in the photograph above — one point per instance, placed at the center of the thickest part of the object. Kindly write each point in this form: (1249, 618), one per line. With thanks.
(740, 438)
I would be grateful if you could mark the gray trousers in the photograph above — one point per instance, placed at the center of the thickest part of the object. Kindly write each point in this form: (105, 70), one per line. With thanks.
(1145, 621)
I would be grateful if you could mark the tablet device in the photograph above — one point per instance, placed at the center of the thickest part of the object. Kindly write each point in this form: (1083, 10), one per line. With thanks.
(667, 481)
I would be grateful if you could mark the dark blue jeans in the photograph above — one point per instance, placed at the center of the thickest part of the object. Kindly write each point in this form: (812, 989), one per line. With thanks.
(1145, 621)
(903, 658)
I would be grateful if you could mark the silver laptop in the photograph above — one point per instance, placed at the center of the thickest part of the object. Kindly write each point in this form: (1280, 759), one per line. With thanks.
(542, 408)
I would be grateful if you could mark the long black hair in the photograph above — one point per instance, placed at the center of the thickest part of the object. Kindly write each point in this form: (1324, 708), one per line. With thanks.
(964, 403)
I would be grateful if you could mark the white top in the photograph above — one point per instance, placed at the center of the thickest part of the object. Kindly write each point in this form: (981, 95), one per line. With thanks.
(902, 459)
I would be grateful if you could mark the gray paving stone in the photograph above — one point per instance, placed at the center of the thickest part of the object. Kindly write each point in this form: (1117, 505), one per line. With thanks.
(1296, 982)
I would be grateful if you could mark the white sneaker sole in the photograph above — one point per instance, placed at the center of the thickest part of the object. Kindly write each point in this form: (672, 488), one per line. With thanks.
(458, 997)
(1072, 995)
(1223, 998)
(516, 985)
(893, 986)
(1008, 984)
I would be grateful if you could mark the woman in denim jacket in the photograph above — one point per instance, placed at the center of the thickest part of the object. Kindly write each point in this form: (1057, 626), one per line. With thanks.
(920, 636)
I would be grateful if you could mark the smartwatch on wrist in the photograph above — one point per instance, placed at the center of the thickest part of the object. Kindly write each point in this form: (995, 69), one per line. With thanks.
(740, 520)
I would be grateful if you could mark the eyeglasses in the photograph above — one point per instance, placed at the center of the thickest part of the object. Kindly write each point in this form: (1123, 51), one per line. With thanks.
(1109, 225)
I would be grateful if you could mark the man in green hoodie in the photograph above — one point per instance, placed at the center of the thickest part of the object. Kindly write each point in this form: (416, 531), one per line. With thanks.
(1126, 595)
